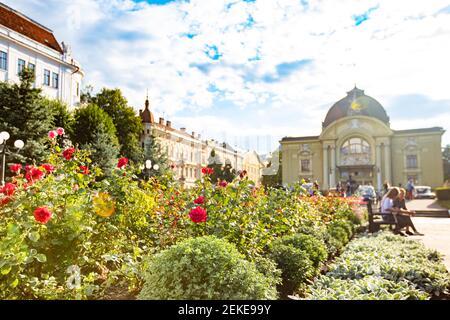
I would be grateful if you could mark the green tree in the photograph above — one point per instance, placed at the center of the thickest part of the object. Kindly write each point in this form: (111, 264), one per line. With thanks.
(62, 117)
(25, 114)
(94, 129)
(105, 150)
(128, 124)
(446, 160)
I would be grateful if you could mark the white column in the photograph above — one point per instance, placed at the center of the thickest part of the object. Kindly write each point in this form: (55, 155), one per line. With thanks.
(378, 167)
(325, 168)
(387, 162)
(333, 167)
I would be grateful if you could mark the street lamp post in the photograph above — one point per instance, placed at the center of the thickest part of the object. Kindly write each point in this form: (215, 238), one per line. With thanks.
(4, 137)
(181, 163)
(148, 166)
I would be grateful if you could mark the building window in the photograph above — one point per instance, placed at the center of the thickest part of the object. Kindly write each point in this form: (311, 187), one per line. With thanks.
(32, 66)
(355, 151)
(306, 165)
(3, 60)
(148, 131)
(78, 89)
(411, 161)
(55, 80)
(46, 77)
(20, 66)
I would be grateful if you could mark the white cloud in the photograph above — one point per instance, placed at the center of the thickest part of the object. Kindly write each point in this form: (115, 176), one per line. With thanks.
(401, 49)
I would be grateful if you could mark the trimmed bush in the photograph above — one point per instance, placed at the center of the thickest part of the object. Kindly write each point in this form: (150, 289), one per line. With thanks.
(342, 231)
(299, 257)
(321, 232)
(204, 268)
(295, 265)
(269, 269)
(443, 193)
(313, 247)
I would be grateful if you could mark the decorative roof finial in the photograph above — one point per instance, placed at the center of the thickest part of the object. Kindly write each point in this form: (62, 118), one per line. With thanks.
(147, 103)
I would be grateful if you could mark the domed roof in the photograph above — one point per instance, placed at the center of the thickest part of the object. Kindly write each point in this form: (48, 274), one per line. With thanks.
(356, 103)
(146, 115)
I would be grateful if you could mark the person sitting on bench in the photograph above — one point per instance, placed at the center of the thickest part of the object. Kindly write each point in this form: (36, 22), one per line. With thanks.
(387, 205)
(404, 215)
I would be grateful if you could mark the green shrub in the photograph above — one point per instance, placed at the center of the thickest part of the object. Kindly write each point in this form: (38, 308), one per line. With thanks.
(339, 233)
(313, 247)
(443, 193)
(295, 265)
(269, 269)
(204, 268)
(320, 232)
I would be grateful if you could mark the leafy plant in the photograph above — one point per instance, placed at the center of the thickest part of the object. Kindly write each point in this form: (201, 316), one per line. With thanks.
(204, 268)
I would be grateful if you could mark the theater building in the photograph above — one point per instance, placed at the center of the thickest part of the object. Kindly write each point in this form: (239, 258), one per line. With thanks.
(357, 143)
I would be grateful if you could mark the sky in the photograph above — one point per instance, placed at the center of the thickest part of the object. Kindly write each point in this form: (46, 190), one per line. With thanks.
(253, 71)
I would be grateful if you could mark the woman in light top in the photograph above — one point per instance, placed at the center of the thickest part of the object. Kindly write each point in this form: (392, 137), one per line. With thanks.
(387, 207)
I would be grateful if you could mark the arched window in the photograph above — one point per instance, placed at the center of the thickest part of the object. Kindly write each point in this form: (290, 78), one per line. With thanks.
(355, 151)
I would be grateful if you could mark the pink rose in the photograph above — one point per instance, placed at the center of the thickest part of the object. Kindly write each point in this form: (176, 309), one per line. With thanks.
(52, 134)
(60, 131)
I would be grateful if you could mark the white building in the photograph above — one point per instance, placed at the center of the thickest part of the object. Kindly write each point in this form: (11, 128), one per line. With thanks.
(24, 42)
(187, 153)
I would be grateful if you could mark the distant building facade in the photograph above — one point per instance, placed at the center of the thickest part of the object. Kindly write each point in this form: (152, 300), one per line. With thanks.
(187, 153)
(254, 167)
(357, 144)
(26, 43)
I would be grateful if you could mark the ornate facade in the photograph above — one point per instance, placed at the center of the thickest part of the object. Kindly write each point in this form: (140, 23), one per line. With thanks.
(358, 144)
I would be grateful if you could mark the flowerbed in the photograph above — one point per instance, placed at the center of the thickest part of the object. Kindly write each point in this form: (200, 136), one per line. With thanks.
(67, 232)
(383, 266)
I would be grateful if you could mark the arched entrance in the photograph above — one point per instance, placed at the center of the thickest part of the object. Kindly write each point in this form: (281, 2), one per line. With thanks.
(356, 164)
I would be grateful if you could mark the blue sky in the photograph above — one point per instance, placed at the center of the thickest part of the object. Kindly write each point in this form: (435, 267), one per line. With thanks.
(252, 72)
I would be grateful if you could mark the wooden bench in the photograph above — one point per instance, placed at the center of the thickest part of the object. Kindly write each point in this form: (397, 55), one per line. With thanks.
(375, 224)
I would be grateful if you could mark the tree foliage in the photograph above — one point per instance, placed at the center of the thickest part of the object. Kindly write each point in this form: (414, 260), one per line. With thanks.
(26, 115)
(94, 129)
(127, 123)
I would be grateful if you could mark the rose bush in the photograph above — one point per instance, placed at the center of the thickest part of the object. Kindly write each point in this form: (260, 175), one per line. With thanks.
(66, 231)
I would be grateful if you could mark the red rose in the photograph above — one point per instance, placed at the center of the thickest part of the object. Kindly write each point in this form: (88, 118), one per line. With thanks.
(207, 171)
(68, 153)
(198, 214)
(84, 170)
(48, 167)
(122, 163)
(15, 167)
(42, 214)
(9, 189)
(243, 174)
(28, 168)
(223, 183)
(34, 174)
(200, 200)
